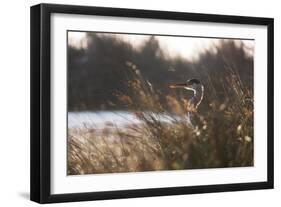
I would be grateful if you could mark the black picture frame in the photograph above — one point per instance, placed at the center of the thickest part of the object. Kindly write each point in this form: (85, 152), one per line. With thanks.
(41, 99)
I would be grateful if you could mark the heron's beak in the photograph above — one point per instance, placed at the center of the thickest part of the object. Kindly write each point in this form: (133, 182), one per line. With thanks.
(177, 85)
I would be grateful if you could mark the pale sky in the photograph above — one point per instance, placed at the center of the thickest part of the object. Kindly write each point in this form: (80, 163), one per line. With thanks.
(186, 47)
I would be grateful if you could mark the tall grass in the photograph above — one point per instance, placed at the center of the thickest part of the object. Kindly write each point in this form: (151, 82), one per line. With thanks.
(222, 136)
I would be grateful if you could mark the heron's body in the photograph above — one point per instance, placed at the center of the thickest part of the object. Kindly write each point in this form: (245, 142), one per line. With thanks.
(192, 104)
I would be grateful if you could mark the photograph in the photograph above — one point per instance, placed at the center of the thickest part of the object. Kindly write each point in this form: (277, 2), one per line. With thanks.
(155, 102)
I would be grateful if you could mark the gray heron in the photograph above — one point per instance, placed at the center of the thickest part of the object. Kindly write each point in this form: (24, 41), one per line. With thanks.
(192, 104)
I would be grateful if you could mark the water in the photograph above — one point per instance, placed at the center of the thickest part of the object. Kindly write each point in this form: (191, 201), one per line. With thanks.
(103, 119)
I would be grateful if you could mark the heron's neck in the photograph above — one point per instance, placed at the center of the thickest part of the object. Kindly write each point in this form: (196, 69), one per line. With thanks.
(198, 93)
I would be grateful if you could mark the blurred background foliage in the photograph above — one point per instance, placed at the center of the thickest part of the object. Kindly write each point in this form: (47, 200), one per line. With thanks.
(102, 69)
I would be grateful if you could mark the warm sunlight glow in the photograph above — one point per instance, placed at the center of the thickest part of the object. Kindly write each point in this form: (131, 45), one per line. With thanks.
(186, 47)
(77, 39)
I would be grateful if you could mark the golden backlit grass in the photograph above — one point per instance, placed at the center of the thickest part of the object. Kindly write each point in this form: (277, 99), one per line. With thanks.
(222, 135)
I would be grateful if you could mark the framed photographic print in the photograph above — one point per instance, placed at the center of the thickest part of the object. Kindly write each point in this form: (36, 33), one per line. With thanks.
(133, 103)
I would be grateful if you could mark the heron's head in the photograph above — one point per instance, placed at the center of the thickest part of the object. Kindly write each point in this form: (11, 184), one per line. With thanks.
(191, 84)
